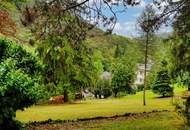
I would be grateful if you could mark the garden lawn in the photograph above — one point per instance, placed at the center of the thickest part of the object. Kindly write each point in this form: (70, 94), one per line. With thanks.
(151, 121)
(95, 108)
(156, 121)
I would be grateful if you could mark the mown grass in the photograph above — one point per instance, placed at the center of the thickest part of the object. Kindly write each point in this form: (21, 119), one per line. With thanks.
(158, 121)
(94, 108)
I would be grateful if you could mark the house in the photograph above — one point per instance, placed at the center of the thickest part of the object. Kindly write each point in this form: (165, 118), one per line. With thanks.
(106, 75)
(140, 74)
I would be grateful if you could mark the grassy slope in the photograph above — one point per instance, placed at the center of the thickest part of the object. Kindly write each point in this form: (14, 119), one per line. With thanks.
(94, 108)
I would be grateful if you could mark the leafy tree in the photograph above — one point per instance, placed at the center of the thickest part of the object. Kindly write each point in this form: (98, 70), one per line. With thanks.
(123, 66)
(19, 82)
(122, 78)
(71, 67)
(56, 54)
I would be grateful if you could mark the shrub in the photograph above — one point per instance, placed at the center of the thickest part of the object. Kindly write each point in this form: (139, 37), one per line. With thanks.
(121, 94)
(162, 84)
(140, 88)
(103, 89)
(106, 92)
(19, 78)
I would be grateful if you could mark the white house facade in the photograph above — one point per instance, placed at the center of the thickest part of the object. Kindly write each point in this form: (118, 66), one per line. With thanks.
(140, 74)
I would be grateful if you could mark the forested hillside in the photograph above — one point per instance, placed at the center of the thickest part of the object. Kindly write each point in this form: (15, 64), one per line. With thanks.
(97, 40)
(61, 59)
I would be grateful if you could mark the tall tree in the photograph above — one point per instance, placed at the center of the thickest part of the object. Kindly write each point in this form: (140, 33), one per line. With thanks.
(69, 67)
(146, 24)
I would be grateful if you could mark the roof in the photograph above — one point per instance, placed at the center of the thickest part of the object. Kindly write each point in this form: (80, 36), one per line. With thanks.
(141, 66)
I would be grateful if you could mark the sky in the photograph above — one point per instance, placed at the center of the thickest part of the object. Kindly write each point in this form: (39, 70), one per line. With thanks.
(127, 22)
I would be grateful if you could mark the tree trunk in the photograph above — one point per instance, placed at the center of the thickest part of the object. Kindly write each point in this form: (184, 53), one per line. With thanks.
(96, 95)
(115, 93)
(99, 95)
(145, 68)
(66, 98)
(187, 110)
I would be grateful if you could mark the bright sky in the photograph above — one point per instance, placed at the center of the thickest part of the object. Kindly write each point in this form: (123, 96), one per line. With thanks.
(127, 25)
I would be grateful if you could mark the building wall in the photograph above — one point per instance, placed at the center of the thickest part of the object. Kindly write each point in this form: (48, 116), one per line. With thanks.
(140, 77)
(140, 74)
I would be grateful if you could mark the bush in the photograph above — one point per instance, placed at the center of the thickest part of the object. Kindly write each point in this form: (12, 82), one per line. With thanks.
(121, 94)
(162, 84)
(19, 78)
(133, 91)
(140, 88)
(182, 108)
(106, 92)
(103, 88)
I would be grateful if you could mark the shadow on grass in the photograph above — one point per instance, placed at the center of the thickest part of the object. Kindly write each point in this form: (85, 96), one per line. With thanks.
(162, 97)
(61, 104)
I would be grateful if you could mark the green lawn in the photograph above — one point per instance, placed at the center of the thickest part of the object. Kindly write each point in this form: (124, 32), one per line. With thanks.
(153, 121)
(94, 108)
(158, 121)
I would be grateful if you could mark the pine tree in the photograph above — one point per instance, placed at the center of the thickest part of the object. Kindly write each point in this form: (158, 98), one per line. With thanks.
(162, 84)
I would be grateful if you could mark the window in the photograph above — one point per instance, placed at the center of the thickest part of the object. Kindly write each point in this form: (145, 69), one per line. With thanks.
(141, 72)
(141, 80)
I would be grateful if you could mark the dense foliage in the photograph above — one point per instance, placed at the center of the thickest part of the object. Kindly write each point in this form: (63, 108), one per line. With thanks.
(180, 69)
(69, 67)
(103, 88)
(180, 66)
(122, 79)
(19, 82)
